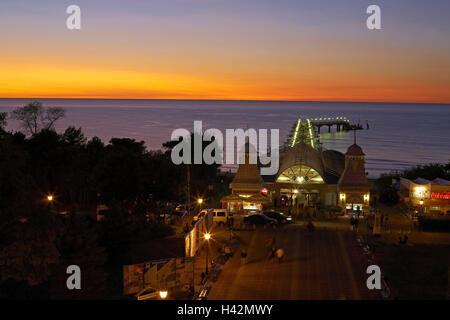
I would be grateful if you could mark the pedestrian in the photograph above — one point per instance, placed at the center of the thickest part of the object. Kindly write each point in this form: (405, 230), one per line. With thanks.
(243, 256)
(310, 226)
(279, 254)
(272, 253)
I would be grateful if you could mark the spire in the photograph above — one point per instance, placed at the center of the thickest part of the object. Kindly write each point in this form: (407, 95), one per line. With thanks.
(354, 135)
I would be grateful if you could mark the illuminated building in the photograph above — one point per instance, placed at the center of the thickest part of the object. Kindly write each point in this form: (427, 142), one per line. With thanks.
(354, 189)
(431, 197)
(307, 177)
(247, 186)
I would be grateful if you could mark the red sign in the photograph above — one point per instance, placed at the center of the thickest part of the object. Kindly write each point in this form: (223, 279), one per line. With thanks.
(440, 195)
(264, 191)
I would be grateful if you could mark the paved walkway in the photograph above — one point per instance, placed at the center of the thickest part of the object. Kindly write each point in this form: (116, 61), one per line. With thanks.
(325, 264)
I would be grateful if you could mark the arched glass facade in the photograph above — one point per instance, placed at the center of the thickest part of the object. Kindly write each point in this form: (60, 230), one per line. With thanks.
(300, 174)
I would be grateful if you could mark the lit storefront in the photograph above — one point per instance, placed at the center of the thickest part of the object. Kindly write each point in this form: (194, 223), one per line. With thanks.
(431, 197)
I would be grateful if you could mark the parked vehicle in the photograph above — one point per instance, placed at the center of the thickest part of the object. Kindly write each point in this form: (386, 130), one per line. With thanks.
(201, 214)
(222, 216)
(279, 216)
(182, 208)
(102, 210)
(260, 219)
(165, 218)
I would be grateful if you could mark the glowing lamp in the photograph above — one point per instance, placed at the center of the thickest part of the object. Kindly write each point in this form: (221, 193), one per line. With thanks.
(163, 294)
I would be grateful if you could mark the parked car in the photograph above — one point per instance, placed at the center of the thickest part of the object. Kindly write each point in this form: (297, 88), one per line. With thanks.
(201, 214)
(279, 216)
(102, 210)
(260, 219)
(182, 208)
(165, 218)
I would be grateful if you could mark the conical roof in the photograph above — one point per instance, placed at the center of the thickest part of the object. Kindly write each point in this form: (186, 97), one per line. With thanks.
(354, 150)
(354, 174)
(247, 176)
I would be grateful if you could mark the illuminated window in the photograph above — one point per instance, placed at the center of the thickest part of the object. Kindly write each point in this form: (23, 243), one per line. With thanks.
(300, 174)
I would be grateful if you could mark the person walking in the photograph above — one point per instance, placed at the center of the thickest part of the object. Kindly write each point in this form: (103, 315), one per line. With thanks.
(279, 254)
(243, 256)
(272, 253)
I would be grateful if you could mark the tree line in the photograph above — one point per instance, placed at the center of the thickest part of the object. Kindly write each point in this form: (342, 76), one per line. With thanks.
(36, 242)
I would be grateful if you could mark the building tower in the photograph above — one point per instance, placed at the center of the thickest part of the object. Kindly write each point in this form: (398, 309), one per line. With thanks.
(246, 187)
(354, 189)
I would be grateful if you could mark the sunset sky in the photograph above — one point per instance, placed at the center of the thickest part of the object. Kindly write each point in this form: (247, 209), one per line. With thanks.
(226, 49)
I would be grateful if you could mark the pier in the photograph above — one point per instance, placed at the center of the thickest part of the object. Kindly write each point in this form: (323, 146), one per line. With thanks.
(308, 129)
(341, 123)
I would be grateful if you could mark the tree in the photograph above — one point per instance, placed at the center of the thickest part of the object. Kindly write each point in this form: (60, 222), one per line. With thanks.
(3, 117)
(78, 245)
(28, 249)
(34, 117)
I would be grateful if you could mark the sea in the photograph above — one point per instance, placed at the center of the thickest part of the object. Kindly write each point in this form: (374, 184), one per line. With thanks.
(400, 135)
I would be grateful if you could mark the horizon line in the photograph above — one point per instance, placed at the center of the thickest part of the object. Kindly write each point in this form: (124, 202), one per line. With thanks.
(247, 100)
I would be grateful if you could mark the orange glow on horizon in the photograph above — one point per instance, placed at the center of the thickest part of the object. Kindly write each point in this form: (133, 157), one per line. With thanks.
(122, 84)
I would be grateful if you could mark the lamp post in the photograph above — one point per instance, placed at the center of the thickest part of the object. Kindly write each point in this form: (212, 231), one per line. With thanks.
(207, 237)
(163, 294)
(200, 201)
(50, 199)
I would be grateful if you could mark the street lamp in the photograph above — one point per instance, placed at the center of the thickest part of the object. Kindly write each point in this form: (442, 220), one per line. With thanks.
(163, 294)
(207, 237)
(421, 206)
(50, 198)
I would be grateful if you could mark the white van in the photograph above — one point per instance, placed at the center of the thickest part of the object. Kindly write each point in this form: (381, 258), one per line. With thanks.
(221, 216)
